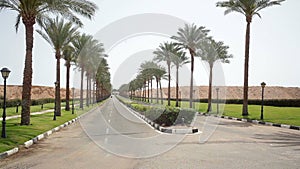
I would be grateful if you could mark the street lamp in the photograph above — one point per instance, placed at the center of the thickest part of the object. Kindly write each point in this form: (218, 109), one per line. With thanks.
(54, 116)
(5, 73)
(217, 89)
(263, 85)
(73, 89)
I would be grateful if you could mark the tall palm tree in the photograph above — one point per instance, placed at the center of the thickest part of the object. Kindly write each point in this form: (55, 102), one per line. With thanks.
(103, 80)
(147, 69)
(212, 51)
(94, 53)
(248, 8)
(159, 73)
(179, 59)
(81, 44)
(68, 55)
(165, 53)
(58, 34)
(190, 37)
(32, 11)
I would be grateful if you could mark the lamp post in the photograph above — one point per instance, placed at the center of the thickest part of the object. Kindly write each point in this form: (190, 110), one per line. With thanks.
(217, 89)
(54, 116)
(263, 85)
(5, 73)
(73, 89)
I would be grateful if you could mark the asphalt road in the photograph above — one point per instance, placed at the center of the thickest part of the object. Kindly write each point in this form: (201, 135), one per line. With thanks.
(112, 137)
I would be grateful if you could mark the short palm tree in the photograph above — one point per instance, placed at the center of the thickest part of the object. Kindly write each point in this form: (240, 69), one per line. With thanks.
(190, 37)
(59, 34)
(179, 59)
(248, 8)
(212, 51)
(32, 11)
(165, 53)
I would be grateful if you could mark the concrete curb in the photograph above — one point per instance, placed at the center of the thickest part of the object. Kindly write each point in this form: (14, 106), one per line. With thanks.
(9, 153)
(34, 140)
(254, 121)
(29, 143)
(160, 128)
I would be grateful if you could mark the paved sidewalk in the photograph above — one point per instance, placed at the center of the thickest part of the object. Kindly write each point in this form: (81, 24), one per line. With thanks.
(34, 113)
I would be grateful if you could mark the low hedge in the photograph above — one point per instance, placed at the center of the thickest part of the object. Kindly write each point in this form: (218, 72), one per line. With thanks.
(164, 116)
(169, 116)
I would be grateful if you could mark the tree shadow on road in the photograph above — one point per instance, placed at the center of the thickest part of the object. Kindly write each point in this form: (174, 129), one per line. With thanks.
(281, 139)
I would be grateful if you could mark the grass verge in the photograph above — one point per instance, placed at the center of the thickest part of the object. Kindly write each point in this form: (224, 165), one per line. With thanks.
(280, 115)
(11, 111)
(17, 134)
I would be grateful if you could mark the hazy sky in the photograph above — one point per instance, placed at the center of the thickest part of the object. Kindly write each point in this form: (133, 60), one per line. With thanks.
(274, 57)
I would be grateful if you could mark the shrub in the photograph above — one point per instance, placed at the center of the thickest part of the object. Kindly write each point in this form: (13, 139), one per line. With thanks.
(169, 116)
(138, 107)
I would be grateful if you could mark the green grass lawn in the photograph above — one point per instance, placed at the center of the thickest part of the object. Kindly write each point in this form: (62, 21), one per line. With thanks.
(282, 115)
(17, 134)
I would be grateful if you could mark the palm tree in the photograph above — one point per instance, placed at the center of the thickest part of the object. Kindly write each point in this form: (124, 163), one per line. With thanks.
(32, 11)
(96, 57)
(212, 51)
(165, 53)
(81, 51)
(59, 34)
(179, 59)
(159, 73)
(68, 55)
(103, 80)
(190, 37)
(248, 8)
(147, 69)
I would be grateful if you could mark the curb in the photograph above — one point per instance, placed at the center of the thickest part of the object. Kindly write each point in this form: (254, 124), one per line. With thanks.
(34, 140)
(29, 143)
(254, 121)
(160, 128)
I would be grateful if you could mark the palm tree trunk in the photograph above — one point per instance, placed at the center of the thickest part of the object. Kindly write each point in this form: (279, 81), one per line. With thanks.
(57, 87)
(161, 92)
(94, 92)
(87, 90)
(90, 90)
(151, 91)
(246, 69)
(177, 86)
(97, 91)
(67, 108)
(192, 78)
(148, 91)
(169, 84)
(209, 88)
(157, 90)
(81, 87)
(27, 75)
